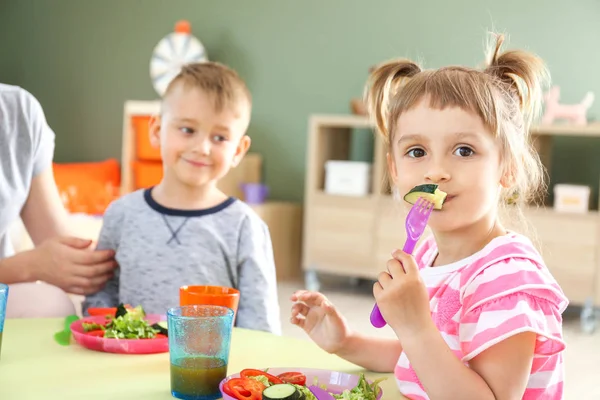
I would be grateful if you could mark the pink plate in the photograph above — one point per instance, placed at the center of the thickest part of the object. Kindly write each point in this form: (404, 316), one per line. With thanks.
(122, 346)
(335, 382)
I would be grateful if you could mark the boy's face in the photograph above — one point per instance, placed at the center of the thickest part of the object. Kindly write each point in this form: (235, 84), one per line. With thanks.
(198, 144)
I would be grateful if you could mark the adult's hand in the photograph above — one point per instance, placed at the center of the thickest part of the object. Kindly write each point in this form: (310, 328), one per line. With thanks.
(70, 263)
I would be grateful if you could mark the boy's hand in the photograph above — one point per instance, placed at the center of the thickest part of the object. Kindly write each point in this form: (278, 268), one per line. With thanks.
(402, 296)
(320, 320)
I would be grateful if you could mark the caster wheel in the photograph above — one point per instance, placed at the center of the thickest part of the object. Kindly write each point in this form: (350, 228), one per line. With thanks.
(588, 318)
(311, 281)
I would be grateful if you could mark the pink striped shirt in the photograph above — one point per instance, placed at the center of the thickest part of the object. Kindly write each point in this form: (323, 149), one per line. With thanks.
(502, 290)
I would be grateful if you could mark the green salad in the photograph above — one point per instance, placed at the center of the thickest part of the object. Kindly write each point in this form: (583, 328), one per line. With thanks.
(127, 324)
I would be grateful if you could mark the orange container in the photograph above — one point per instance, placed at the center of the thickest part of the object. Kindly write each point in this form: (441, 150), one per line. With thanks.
(147, 173)
(88, 187)
(210, 295)
(143, 148)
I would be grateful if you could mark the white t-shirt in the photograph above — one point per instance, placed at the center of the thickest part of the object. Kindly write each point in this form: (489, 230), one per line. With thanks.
(26, 149)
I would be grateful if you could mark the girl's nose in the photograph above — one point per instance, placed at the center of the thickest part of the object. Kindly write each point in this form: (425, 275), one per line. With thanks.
(437, 173)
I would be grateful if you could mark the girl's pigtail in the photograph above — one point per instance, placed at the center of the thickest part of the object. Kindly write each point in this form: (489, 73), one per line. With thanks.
(384, 82)
(524, 75)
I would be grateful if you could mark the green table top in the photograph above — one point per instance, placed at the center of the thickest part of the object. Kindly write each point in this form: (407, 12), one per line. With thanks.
(34, 366)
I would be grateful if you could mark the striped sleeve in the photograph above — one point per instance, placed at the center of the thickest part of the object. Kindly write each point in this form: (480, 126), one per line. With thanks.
(508, 297)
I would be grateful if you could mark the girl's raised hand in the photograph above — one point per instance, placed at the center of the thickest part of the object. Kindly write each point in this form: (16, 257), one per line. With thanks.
(320, 320)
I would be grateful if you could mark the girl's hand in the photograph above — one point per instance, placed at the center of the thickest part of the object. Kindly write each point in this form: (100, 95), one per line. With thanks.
(402, 296)
(320, 320)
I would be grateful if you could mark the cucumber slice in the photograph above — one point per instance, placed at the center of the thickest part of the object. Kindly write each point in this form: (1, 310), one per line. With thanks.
(281, 391)
(429, 192)
(161, 327)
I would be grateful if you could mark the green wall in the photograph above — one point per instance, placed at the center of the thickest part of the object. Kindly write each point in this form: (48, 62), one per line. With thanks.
(83, 59)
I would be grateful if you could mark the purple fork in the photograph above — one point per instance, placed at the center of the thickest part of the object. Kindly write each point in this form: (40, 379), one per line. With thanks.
(416, 221)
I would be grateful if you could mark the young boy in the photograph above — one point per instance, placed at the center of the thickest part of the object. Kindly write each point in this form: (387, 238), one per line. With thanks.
(185, 231)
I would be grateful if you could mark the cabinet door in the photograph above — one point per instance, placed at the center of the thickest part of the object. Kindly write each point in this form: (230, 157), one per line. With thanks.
(339, 235)
(568, 244)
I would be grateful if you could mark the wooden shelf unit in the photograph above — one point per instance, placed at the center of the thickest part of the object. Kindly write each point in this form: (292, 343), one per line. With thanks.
(353, 236)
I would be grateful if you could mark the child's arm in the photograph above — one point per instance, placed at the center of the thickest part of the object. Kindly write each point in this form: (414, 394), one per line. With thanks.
(109, 238)
(372, 353)
(259, 306)
(505, 308)
(328, 328)
(499, 373)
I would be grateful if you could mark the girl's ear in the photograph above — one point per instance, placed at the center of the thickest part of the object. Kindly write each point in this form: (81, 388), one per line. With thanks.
(508, 179)
(154, 131)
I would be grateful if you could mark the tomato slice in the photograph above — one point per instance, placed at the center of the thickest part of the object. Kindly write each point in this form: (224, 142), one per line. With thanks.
(246, 373)
(297, 378)
(98, 332)
(244, 388)
(160, 336)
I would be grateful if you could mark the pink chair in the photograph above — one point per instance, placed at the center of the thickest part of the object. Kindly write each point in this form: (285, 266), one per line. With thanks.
(38, 300)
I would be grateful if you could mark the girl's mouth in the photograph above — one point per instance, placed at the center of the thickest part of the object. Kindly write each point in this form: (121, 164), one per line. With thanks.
(448, 199)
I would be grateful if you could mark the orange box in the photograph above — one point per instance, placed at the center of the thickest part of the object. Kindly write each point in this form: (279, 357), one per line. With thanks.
(147, 173)
(204, 295)
(88, 187)
(143, 148)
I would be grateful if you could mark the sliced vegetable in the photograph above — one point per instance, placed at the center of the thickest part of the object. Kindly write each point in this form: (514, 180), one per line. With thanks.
(99, 333)
(281, 391)
(91, 326)
(429, 192)
(244, 388)
(247, 373)
(121, 311)
(161, 327)
(297, 378)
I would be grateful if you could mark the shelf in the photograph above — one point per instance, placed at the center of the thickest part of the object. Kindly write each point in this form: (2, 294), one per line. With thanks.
(357, 121)
(140, 107)
(322, 197)
(592, 129)
(345, 121)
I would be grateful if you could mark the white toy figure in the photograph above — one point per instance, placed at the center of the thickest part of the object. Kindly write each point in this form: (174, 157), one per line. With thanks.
(576, 113)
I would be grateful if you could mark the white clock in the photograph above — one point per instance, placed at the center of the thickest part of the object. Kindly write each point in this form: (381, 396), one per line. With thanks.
(171, 53)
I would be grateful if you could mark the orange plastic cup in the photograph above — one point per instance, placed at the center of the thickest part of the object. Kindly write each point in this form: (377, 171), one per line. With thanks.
(203, 295)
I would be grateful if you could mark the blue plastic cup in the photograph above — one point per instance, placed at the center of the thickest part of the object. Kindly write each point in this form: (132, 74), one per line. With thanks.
(3, 301)
(199, 343)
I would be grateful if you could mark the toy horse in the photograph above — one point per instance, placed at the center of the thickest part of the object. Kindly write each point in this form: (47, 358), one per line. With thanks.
(576, 113)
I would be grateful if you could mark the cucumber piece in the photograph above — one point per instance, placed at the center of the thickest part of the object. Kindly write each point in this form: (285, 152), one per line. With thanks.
(161, 327)
(281, 391)
(429, 192)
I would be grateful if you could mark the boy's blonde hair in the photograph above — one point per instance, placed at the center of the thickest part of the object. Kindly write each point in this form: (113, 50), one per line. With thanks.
(506, 94)
(226, 87)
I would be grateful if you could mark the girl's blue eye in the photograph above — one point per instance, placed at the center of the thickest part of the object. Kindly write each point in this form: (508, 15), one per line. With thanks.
(219, 138)
(186, 130)
(464, 151)
(416, 153)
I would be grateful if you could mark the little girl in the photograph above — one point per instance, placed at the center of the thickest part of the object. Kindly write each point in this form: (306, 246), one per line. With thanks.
(476, 312)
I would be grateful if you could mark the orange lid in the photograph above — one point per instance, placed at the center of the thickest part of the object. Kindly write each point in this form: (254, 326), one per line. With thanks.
(183, 26)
